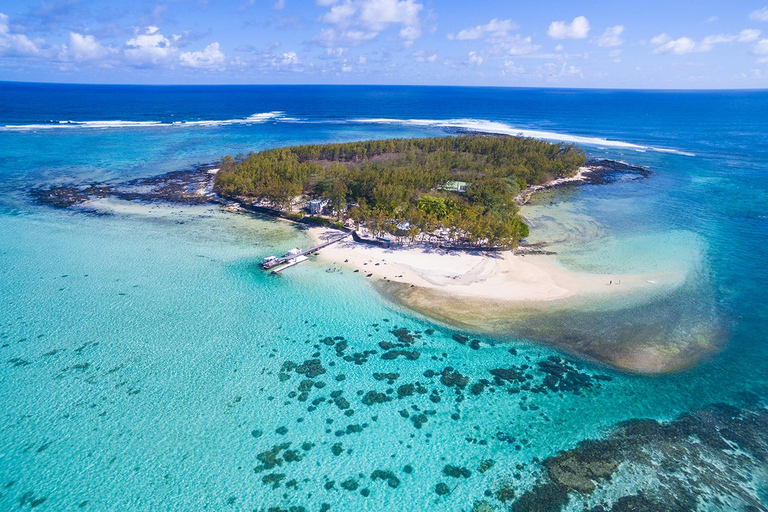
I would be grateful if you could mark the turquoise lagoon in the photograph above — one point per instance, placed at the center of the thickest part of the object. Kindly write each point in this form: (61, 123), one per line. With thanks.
(147, 363)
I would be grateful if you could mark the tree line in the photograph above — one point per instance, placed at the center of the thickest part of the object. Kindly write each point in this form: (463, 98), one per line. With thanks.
(385, 183)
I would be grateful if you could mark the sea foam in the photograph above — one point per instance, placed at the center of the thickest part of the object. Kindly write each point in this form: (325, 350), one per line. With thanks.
(252, 119)
(496, 127)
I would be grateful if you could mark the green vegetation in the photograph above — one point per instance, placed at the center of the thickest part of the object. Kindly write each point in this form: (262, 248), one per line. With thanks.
(385, 183)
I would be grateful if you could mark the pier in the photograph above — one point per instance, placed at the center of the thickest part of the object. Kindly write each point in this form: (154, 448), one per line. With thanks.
(295, 257)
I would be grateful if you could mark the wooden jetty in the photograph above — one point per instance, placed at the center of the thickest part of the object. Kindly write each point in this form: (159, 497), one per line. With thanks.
(293, 258)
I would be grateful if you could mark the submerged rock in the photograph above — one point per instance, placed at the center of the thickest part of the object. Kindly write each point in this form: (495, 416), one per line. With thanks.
(718, 452)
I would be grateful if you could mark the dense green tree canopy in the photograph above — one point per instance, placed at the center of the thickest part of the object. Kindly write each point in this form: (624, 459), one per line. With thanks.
(390, 181)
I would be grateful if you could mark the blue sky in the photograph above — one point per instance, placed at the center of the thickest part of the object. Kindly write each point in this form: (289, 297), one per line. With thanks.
(650, 44)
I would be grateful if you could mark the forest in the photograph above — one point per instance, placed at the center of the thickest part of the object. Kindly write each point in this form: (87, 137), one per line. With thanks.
(401, 186)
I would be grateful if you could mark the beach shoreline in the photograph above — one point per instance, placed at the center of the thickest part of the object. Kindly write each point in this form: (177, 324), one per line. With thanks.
(534, 297)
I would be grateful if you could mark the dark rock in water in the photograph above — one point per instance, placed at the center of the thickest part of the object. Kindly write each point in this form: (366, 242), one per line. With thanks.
(407, 469)
(505, 494)
(329, 485)
(486, 465)
(418, 420)
(388, 476)
(456, 471)
(474, 344)
(404, 336)
(389, 377)
(350, 484)
(28, 498)
(707, 453)
(442, 489)
(405, 390)
(341, 402)
(429, 332)
(451, 378)
(354, 429)
(394, 354)
(311, 368)
(177, 187)
(337, 449)
(291, 456)
(478, 387)
(256, 433)
(460, 338)
(640, 502)
(306, 385)
(510, 375)
(373, 397)
(328, 341)
(273, 479)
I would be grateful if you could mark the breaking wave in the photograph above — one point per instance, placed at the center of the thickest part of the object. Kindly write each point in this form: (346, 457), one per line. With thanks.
(470, 125)
(53, 125)
(495, 127)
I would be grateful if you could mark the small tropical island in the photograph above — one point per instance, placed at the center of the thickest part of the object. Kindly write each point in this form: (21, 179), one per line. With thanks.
(437, 227)
(455, 192)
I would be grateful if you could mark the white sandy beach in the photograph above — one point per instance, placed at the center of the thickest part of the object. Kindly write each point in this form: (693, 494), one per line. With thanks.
(500, 277)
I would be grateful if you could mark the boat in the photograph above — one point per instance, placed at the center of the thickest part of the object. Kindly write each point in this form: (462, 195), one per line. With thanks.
(267, 261)
(291, 258)
(289, 263)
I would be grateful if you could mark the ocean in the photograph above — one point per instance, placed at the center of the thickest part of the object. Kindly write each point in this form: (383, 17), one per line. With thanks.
(147, 363)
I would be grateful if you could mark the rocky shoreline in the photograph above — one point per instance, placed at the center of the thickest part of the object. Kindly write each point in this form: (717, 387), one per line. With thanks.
(595, 172)
(716, 455)
(185, 187)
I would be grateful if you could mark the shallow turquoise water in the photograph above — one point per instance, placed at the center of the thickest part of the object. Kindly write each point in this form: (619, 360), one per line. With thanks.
(140, 352)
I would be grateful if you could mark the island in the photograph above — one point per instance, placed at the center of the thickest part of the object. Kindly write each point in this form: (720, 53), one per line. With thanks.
(438, 228)
(455, 192)
(438, 225)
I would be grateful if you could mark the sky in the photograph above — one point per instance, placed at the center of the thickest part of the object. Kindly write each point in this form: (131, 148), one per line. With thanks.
(653, 44)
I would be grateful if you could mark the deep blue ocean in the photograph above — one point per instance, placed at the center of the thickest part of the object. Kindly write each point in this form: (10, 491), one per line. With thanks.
(146, 363)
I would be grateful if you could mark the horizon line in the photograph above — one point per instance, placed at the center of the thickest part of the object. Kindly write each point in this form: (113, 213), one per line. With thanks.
(629, 89)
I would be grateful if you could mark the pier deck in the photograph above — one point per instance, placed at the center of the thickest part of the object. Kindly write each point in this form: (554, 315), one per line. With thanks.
(279, 261)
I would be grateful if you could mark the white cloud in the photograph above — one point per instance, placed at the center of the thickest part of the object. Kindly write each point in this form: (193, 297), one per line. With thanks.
(210, 58)
(511, 68)
(748, 35)
(611, 37)
(500, 41)
(289, 59)
(278, 5)
(341, 14)
(371, 17)
(15, 45)
(474, 59)
(149, 49)
(422, 56)
(577, 29)
(761, 48)
(686, 45)
(82, 48)
(518, 45)
(494, 27)
(759, 14)
(677, 46)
